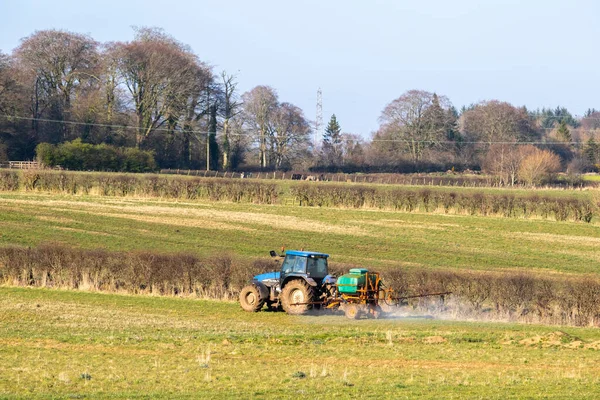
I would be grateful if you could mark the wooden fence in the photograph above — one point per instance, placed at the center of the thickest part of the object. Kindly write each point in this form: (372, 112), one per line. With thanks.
(21, 165)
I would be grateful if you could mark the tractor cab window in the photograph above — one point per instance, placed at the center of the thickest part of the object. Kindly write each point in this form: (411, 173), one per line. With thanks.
(293, 264)
(317, 266)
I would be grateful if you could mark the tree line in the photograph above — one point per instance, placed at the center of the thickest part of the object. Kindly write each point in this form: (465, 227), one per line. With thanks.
(156, 95)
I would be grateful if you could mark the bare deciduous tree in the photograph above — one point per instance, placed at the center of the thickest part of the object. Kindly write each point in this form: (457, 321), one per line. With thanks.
(494, 122)
(55, 65)
(591, 121)
(526, 163)
(353, 149)
(407, 121)
(503, 161)
(18, 137)
(7, 84)
(259, 105)
(61, 60)
(163, 77)
(288, 133)
(231, 108)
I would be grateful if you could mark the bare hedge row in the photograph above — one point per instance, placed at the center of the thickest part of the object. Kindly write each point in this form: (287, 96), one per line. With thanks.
(108, 184)
(407, 199)
(427, 200)
(57, 266)
(512, 296)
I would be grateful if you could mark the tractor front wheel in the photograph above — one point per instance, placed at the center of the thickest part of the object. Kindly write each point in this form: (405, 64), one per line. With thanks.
(294, 297)
(250, 299)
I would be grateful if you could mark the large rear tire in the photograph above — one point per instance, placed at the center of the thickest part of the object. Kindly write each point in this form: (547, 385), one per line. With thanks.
(250, 299)
(296, 292)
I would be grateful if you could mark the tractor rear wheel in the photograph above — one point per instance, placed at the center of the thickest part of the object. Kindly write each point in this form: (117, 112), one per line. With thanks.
(250, 299)
(352, 311)
(297, 292)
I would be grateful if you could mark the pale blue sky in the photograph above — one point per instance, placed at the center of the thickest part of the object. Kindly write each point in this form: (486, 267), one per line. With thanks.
(363, 54)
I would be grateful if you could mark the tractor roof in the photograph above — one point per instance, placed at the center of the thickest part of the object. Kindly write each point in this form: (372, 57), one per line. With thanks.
(306, 253)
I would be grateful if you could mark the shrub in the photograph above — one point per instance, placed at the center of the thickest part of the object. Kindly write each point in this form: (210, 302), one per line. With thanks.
(135, 160)
(3, 153)
(537, 165)
(9, 181)
(79, 156)
(46, 154)
(30, 179)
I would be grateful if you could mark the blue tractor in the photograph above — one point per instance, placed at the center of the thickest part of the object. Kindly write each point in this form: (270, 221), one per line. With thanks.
(304, 283)
(302, 280)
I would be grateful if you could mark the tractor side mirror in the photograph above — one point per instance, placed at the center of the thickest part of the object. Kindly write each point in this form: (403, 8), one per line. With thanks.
(273, 253)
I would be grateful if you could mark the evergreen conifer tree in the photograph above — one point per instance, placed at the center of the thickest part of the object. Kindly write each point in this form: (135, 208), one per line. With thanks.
(591, 151)
(435, 119)
(563, 131)
(332, 143)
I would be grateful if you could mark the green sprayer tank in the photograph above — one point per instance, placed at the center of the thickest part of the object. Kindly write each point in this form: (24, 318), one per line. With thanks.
(355, 280)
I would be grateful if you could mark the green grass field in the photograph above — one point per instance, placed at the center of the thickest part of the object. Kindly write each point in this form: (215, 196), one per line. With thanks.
(592, 178)
(366, 237)
(69, 344)
(62, 344)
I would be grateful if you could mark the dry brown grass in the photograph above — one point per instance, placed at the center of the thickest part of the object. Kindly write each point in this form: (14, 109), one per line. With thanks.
(562, 239)
(195, 217)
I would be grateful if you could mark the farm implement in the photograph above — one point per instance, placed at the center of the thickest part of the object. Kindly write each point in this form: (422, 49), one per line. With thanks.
(304, 283)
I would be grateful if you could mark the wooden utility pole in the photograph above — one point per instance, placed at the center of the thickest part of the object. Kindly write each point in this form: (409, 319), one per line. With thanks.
(211, 138)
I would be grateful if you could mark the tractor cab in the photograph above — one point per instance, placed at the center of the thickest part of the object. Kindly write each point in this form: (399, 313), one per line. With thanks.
(303, 264)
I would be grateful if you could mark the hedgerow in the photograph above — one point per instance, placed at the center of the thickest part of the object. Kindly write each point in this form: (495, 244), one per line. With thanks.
(58, 266)
(109, 184)
(509, 295)
(461, 202)
(407, 199)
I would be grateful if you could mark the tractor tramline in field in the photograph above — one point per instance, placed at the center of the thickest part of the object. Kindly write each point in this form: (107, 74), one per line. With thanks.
(304, 283)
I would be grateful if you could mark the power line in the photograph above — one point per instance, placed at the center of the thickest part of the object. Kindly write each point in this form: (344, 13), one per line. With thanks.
(86, 123)
(252, 134)
(471, 142)
(195, 131)
(6, 116)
